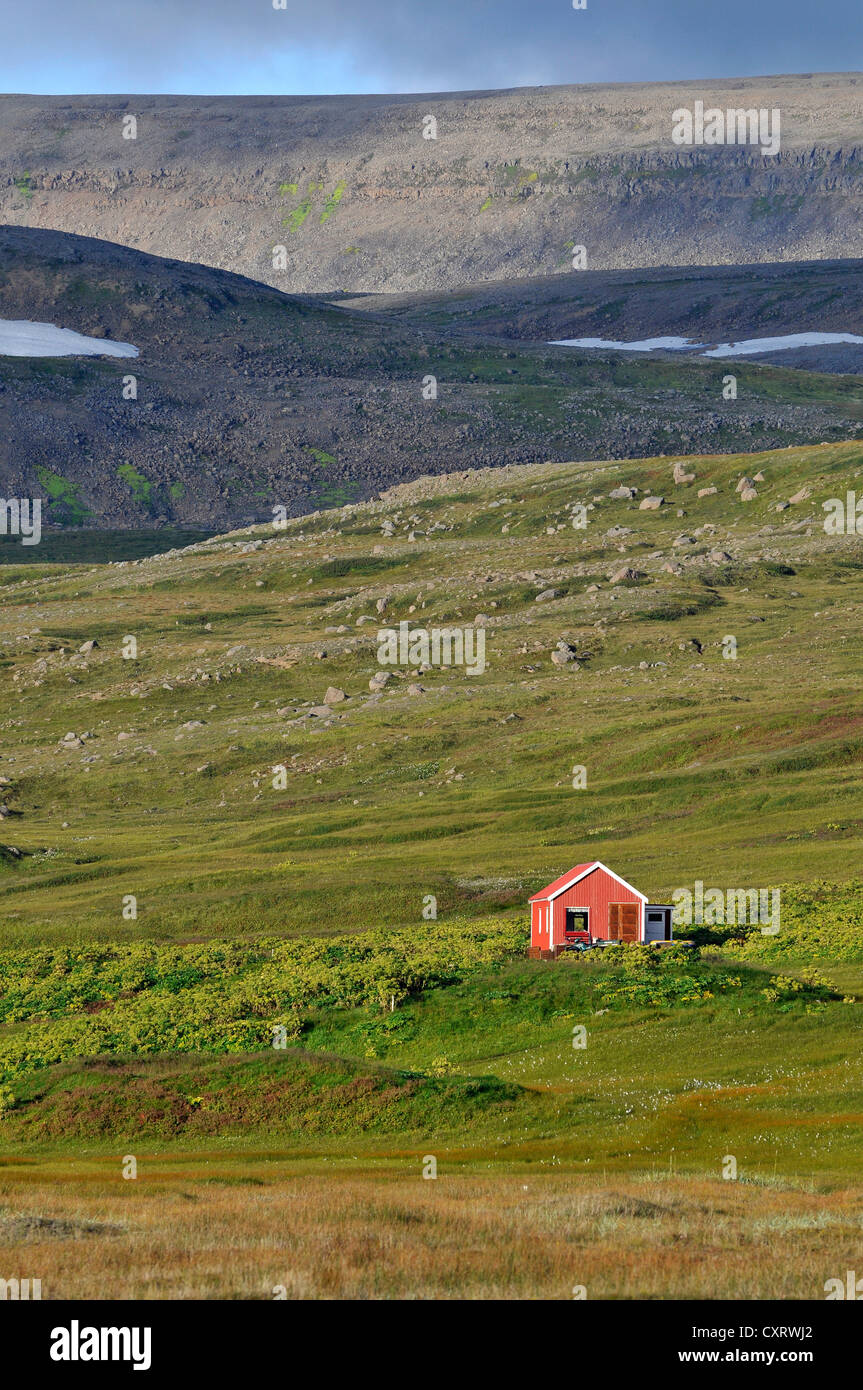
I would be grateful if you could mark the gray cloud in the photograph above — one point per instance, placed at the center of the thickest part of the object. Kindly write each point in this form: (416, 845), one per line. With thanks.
(236, 46)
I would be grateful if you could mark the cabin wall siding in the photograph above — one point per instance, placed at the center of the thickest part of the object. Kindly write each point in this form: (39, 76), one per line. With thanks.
(594, 892)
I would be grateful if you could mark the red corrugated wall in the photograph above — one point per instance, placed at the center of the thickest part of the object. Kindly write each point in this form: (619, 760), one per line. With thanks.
(595, 892)
(538, 921)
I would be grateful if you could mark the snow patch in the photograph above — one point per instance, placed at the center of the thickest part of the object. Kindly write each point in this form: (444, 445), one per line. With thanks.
(21, 338)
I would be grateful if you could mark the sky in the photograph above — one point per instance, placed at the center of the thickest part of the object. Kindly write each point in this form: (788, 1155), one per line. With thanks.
(239, 47)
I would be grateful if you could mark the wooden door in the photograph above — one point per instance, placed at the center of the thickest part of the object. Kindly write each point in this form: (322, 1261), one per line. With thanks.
(623, 921)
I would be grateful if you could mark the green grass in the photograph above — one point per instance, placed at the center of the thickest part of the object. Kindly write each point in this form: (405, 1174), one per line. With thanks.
(304, 902)
(679, 1052)
(697, 767)
(92, 546)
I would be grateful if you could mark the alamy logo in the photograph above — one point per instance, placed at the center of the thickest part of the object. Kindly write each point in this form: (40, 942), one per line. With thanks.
(851, 1287)
(20, 1290)
(19, 516)
(715, 907)
(77, 1343)
(735, 126)
(844, 518)
(438, 646)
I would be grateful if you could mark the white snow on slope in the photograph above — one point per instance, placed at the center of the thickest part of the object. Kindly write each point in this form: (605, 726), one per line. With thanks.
(20, 338)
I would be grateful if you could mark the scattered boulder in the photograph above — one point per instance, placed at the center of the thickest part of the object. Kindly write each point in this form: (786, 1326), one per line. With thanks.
(382, 604)
(627, 575)
(749, 494)
(622, 494)
(672, 569)
(680, 474)
(416, 689)
(650, 504)
(334, 696)
(800, 496)
(706, 491)
(546, 595)
(379, 680)
(719, 557)
(87, 647)
(743, 484)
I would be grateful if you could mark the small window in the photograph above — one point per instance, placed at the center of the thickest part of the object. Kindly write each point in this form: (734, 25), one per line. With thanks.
(576, 920)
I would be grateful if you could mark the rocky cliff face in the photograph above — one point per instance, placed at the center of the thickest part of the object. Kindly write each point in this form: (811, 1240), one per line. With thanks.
(361, 201)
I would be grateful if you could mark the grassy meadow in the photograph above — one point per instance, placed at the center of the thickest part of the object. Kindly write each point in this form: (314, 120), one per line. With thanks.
(199, 855)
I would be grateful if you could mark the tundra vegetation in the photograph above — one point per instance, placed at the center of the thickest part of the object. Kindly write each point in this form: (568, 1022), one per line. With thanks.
(219, 836)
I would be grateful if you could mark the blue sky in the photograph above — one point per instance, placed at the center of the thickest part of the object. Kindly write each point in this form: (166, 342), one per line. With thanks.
(328, 46)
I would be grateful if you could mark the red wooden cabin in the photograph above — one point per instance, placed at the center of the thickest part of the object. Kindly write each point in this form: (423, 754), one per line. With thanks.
(591, 903)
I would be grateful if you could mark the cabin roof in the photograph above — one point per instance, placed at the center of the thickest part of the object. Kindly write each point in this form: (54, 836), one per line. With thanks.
(567, 880)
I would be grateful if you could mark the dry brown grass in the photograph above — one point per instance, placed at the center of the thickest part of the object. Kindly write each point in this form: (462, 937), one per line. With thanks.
(350, 1235)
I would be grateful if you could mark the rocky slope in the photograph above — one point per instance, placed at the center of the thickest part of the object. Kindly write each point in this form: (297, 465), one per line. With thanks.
(362, 201)
(705, 303)
(248, 398)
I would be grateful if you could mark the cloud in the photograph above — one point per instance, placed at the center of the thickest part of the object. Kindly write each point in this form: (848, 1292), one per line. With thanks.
(247, 46)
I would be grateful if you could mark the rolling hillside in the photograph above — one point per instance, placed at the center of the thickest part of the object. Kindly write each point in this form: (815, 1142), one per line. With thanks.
(280, 828)
(460, 784)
